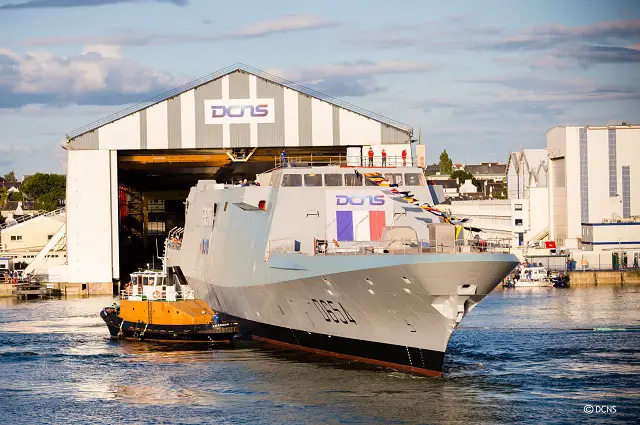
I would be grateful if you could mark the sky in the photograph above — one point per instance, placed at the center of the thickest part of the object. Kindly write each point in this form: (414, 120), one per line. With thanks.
(480, 78)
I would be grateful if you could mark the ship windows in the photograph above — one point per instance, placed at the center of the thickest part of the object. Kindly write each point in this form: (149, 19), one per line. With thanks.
(353, 179)
(292, 180)
(225, 205)
(394, 178)
(369, 182)
(313, 179)
(412, 179)
(333, 179)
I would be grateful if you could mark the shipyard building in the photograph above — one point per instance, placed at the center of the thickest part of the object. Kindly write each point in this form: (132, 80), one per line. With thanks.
(129, 174)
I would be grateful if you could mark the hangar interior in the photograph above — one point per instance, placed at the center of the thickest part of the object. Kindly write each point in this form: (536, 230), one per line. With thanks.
(129, 174)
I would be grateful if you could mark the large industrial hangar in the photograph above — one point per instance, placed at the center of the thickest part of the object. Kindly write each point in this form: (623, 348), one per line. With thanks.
(129, 173)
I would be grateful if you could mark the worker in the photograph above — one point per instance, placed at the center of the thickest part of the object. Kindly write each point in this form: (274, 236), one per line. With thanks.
(370, 157)
(283, 158)
(404, 157)
(384, 158)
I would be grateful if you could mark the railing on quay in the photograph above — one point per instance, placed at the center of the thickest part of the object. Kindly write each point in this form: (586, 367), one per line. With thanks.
(392, 247)
(24, 218)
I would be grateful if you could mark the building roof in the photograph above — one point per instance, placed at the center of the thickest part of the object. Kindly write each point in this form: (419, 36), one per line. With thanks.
(228, 70)
(486, 169)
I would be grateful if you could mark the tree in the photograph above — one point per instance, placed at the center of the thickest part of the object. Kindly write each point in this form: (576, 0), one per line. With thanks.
(4, 196)
(10, 177)
(15, 196)
(462, 176)
(45, 188)
(446, 165)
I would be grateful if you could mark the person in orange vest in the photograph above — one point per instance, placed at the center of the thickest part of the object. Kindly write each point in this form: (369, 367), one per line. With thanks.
(384, 158)
(370, 157)
(404, 157)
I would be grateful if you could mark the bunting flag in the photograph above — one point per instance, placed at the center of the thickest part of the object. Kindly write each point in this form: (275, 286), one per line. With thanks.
(407, 196)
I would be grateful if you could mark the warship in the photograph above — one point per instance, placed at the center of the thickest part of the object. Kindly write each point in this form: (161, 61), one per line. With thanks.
(350, 262)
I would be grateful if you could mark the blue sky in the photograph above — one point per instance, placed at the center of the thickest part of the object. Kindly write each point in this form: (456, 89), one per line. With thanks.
(481, 78)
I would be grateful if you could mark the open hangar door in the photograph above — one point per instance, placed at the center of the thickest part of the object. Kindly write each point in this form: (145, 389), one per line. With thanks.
(153, 185)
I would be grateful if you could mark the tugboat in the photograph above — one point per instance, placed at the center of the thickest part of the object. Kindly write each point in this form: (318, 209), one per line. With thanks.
(159, 305)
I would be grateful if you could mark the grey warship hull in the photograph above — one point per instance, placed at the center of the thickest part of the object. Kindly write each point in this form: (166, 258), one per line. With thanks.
(360, 301)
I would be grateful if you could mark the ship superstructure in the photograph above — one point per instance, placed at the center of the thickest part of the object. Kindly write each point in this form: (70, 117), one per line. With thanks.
(325, 259)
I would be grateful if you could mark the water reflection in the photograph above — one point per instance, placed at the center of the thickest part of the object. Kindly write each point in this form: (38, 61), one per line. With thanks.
(524, 355)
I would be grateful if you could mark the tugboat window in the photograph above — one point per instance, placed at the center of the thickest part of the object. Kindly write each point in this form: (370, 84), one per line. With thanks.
(333, 179)
(313, 179)
(353, 180)
(292, 180)
(412, 179)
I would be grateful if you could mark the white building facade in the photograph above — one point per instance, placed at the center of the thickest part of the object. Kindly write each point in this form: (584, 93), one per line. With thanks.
(594, 173)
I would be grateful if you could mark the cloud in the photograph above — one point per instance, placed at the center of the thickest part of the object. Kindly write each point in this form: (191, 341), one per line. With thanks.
(100, 75)
(263, 28)
(41, 4)
(551, 36)
(350, 79)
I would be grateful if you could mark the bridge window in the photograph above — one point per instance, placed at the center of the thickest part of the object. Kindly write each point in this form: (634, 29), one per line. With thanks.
(395, 178)
(353, 180)
(412, 179)
(292, 180)
(313, 179)
(333, 179)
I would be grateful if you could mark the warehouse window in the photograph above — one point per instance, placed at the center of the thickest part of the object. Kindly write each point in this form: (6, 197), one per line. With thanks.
(626, 192)
(518, 207)
(292, 180)
(518, 222)
(313, 179)
(333, 179)
(584, 177)
(613, 172)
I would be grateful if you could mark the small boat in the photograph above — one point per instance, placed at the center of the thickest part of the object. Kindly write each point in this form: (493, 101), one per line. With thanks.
(158, 305)
(532, 277)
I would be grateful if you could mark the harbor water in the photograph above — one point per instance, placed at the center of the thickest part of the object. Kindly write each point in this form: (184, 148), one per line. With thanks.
(529, 355)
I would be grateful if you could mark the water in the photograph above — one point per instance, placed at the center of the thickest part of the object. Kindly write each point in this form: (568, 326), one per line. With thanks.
(523, 356)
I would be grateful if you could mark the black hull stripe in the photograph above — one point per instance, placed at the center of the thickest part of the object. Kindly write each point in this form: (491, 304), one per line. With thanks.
(167, 332)
(411, 359)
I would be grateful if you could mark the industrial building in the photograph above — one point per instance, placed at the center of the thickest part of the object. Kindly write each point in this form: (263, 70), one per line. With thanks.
(594, 173)
(128, 174)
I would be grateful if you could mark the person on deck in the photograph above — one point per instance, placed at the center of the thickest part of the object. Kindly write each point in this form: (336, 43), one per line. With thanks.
(370, 157)
(404, 157)
(384, 158)
(283, 158)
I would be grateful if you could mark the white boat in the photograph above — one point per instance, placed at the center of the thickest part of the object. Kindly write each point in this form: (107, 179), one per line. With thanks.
(533, 277)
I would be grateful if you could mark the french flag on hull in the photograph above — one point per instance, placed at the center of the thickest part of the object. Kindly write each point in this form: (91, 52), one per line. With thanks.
(360, 225)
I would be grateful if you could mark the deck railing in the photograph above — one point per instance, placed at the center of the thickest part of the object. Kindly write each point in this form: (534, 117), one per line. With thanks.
(392, 247)
(344, 161)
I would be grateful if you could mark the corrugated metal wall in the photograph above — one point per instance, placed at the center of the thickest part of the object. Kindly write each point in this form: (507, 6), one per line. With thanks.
(271, 134)
(207, 136)
(305, 121)
(174, 123)
(294, 117)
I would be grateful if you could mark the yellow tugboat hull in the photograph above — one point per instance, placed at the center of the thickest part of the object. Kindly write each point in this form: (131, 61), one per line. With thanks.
(176, 313)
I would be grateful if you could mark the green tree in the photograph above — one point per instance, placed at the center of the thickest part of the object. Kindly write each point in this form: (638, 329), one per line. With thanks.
(4, 196)
(462, 176)
(45, 188)
(500, 193)
(446, 165)
(10, 177)
(15, 196)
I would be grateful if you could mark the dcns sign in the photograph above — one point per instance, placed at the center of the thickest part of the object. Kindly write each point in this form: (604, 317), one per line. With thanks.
(239, 111)
(360, 200)
(236, 111)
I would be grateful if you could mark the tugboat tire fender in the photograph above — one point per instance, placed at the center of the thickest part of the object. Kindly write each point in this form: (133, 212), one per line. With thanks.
(156, 295)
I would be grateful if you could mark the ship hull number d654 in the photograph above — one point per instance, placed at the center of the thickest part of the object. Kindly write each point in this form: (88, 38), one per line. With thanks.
(333, 312)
